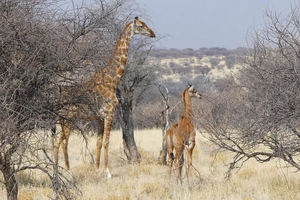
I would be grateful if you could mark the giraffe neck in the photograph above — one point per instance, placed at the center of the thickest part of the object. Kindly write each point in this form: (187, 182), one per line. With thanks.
(187, 103)
(118, 61)
(108, 78)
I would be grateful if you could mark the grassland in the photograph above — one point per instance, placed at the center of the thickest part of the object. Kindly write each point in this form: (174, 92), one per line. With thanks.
(148, 180)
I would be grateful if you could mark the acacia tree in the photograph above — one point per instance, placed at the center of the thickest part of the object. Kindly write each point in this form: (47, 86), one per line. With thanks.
(164, 91)
(42, 48)
(138, 77)
(165, 120)
(256, 113)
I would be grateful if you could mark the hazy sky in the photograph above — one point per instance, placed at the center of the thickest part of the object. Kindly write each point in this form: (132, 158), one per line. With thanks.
(209, 23)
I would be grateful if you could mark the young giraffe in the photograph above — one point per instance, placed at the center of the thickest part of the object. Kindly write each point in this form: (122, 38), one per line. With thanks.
(103, 84)
(181, 134)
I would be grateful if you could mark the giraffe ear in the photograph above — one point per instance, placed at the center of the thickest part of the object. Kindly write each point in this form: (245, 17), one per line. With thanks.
(191, 87)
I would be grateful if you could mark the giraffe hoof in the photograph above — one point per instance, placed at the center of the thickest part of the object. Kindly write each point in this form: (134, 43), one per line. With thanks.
(108, 173)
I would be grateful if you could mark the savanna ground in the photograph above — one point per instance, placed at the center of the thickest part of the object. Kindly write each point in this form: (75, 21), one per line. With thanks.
(148, 180)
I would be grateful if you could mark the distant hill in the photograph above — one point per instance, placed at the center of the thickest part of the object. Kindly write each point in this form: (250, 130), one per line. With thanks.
(178, 68)
(212, 63)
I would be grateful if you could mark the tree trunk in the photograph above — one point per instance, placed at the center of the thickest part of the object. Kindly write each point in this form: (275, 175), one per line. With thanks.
(10, 181)
(125, 118)
(162, 159)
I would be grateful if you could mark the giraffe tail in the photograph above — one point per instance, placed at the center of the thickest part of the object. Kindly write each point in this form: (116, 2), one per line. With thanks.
(172, 156)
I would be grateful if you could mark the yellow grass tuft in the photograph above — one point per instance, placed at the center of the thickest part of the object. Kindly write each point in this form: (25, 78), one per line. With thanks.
(26, 195)
(248, 173)
(118, 198)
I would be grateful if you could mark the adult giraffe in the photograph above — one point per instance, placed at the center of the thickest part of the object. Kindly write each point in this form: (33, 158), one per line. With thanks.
(182, 133)
(103, 84)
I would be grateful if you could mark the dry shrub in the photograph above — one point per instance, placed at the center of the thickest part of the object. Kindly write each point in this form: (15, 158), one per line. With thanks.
(33, 178)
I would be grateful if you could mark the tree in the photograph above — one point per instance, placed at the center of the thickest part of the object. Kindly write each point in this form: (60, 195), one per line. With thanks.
(162, 159)
(29, 59)
(138, 77)
(256, 113)
(45, 48)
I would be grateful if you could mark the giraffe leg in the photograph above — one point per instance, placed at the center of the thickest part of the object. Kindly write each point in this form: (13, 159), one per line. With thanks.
(56, 134)
(170, 149)
(64, 142)
(99, 142)
(181, 162)
(190, 158)
(178, 161)
(107, 128)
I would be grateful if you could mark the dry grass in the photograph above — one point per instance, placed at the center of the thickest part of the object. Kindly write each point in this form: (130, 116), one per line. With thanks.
(148, 180)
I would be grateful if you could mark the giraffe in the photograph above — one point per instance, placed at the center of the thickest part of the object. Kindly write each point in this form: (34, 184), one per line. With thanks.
(181, 134)
(103, 85)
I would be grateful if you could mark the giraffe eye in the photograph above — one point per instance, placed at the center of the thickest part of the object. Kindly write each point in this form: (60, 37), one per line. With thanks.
(142, 26)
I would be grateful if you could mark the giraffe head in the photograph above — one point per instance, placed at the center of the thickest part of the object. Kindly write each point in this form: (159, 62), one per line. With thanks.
(193, 92)
(139, 27)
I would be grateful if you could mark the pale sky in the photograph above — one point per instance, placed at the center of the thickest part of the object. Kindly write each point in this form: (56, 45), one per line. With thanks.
(209, 23)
